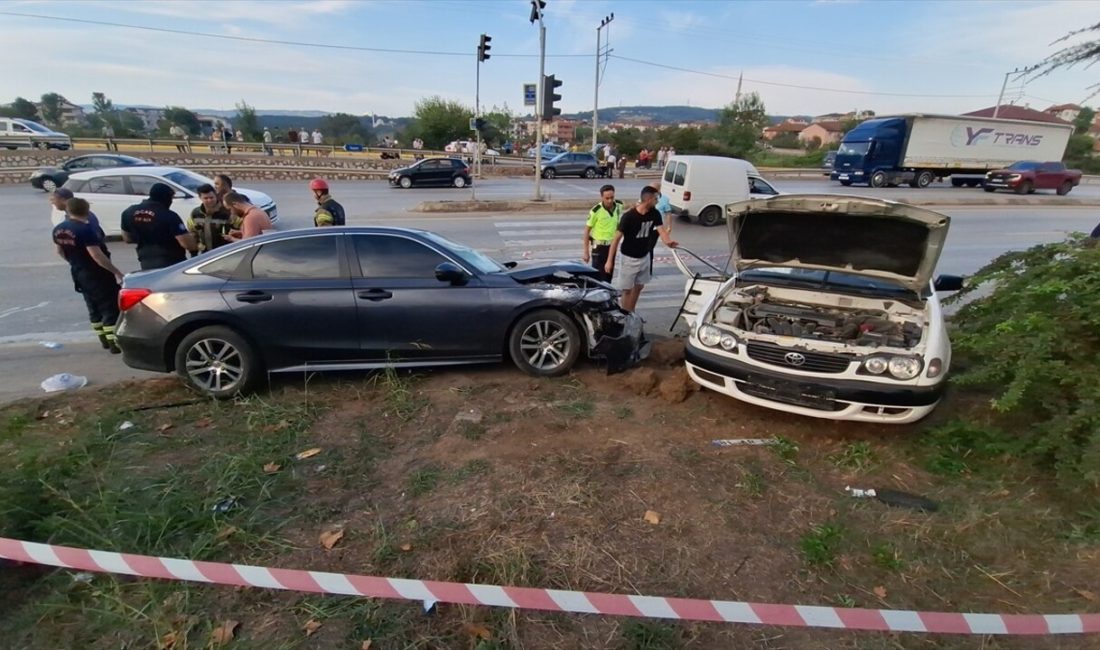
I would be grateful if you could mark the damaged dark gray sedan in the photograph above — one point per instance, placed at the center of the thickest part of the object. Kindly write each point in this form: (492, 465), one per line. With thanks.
(356, 298)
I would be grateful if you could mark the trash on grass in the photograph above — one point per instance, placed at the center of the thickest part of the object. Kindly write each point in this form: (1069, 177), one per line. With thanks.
(271, 468)
(83, 577)
(860, 494)
(63, 381)
(896, 498)
(52, 345)
(309, 453)
(226, 504)
(653, 517)
(331, 537)
(744, 442)
(224, 633)
(311, 626)
(126, 425)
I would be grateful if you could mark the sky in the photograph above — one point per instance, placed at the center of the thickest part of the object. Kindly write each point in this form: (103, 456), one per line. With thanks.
(802, 57)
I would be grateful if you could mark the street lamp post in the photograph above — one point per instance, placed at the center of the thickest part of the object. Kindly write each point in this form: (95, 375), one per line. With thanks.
(606, 22)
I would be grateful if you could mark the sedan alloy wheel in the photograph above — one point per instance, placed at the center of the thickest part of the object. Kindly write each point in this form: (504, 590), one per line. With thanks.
(216, 361)
(545, 343)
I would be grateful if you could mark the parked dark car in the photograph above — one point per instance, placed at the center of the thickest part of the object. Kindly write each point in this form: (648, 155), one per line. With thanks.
(1026, 176)
(433, 171)
(584, 165)
(51, 178)
(351, 298)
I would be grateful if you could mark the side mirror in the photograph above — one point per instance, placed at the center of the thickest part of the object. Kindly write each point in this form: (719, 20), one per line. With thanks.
(511, 265)
(451, 273)
(948, 283)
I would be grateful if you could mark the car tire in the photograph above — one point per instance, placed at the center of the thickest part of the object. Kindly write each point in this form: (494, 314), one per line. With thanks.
(924, 179)
(1065, 188)
(958, 182)
(549, 173)
(459, 182)
(1025, 188)
(405, 182)
(710, 216)
(846, 183)
(989, 189)
(878, 179)
(973, 183)
(48, 185)
(589, 173)
(545, 343)
(204, 358)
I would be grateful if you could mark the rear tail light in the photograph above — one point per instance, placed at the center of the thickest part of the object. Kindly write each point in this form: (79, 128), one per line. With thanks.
(687, 196)
(128, 298)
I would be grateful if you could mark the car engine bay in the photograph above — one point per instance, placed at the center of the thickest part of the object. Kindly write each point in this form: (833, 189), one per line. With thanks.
(754, 309)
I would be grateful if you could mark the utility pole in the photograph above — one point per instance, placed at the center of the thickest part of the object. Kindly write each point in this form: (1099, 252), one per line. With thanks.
(997, 108)
(482, 55)
(537, 7)
(606, 22)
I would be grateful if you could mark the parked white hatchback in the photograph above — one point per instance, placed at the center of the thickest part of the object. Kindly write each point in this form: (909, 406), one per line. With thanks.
(830, 311)
(110, 191)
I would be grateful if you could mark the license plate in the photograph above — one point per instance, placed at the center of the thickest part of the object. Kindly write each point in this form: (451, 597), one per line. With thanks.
(274, 216)
(842, 177)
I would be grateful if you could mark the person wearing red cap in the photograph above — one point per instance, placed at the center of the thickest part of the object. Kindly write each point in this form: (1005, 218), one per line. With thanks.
(329, 212)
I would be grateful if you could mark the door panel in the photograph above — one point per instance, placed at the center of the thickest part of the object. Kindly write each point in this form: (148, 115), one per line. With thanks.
(405, 313)
(298, 306)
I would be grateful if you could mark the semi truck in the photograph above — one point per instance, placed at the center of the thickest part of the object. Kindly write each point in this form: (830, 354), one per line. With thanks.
(918, 149)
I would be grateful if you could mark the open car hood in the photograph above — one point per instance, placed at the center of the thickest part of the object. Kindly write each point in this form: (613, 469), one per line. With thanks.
(858, 235)
(544, 272)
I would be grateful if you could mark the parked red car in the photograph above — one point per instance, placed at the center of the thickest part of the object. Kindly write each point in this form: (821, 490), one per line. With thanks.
(1027, 176)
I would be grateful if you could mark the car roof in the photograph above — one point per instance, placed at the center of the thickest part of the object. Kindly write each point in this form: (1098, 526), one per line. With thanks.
(128, 171)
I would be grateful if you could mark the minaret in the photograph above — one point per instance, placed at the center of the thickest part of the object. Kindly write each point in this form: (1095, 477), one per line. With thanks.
(740, 78)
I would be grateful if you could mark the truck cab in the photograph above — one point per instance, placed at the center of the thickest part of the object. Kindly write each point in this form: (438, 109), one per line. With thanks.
(871, 152)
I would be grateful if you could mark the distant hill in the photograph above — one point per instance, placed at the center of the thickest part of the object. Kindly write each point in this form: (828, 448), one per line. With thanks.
(663, 115)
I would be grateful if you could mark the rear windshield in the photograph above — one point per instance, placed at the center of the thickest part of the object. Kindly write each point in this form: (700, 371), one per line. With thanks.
(1025, 166)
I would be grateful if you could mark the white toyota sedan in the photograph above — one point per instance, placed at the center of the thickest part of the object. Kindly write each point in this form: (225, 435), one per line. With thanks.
(111, 191)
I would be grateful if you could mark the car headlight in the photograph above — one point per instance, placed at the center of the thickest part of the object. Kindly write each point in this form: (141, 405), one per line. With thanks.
(876, 365)
(904, 367)
(710, 335)
(935, 368)
(728, 343)
(598, 296)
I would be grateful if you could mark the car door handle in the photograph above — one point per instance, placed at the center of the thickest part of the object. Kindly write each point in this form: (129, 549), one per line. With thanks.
(375, 294)
(253, 296)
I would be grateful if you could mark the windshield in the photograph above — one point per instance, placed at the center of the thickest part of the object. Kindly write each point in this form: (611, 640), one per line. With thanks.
(557, 157)
(853, 148)
(34, 126)
(817, 279)
(187, 179)
(481, 262)
(1024, 166)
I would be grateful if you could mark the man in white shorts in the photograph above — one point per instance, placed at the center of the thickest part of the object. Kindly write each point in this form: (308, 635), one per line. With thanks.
(637, 234)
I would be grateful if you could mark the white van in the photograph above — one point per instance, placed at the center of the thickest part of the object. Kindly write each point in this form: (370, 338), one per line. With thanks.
(700, 187)
(16, 133)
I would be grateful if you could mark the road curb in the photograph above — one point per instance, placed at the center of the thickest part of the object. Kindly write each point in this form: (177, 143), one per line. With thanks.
(584, 204)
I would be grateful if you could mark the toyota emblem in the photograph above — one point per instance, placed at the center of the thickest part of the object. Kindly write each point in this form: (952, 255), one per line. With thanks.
(794, 359)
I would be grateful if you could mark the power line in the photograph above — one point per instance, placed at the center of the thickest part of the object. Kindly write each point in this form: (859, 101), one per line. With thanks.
(269, 41)
(783, 85)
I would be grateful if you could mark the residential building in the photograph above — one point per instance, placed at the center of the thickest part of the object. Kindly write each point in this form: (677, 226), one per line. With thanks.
(150, 117)
(1012, 112)
(1067, 112)
(793, 127)
(825, 132)
(207, 123)
(71, 114)
(559, 131)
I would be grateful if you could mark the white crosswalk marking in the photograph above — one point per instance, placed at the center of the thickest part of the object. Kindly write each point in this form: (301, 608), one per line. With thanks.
(559, 239)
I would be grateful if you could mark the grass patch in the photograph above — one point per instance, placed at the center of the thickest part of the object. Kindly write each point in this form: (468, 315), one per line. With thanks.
(886, 556)
(14, 426)
(401, 400)
(819, 546)
(786, 449)
(686, 455)
(856, 456)
(963, 448)
(472, 430)
(579, 408)
(624, 412)
(752, 482)
(651, 635)
(423, 480)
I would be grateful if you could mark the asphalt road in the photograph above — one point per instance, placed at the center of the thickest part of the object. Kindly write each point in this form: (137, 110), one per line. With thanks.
(37, 302)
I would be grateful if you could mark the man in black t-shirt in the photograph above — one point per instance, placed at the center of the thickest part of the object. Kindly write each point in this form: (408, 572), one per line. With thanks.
(162, 239)
(637, 234)
(81, 244)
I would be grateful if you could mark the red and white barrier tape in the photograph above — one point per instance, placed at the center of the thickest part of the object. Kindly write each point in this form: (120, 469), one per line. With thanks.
(554, 600)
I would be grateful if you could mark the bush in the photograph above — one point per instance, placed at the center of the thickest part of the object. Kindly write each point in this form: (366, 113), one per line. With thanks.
(1031, 333)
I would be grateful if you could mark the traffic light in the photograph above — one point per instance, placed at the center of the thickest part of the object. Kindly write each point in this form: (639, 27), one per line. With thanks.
(549, 97)
(536, 9)
(483, 48)
(479, 123)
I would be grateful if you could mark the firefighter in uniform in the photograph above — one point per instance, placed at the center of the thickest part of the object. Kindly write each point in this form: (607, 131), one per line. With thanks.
(81, 244)
(599, 230)
(329, 212)
(162, 239)
(210, 223)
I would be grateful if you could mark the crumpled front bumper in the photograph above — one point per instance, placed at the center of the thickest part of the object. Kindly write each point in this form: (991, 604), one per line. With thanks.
(617, 338)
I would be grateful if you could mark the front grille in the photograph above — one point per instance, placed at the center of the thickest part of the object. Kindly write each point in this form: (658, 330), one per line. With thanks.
(793, 394)
(776, 355)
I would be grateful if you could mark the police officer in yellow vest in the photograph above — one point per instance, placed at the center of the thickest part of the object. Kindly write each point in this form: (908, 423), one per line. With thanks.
(599, 230)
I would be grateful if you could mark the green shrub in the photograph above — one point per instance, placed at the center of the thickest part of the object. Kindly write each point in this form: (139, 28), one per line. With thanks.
(1029, 329)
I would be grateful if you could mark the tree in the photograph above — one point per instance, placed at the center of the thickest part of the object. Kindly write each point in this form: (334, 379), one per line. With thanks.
(181, 116)
(51, 109)
(247, 122)
(740, 124)
(1083, 123)
(1087, 52)
(21, 108)
(786, 141)
(101, 104)
(105, 113)
(342, 128)
(498, 126)
(627, 141)
(442, 121)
